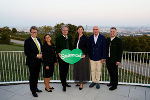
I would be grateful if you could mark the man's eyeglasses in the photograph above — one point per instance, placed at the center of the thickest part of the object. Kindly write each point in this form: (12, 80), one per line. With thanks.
(33, 32)
(64, 30)
(95, 29)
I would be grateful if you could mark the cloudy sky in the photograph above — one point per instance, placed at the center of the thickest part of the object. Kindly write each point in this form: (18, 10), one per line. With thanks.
(20, 13)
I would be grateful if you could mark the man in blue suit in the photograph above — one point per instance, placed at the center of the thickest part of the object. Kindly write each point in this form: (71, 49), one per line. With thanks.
(97, 53)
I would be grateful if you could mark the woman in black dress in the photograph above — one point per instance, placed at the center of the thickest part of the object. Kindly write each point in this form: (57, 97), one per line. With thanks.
(49, 60)
(81, 68)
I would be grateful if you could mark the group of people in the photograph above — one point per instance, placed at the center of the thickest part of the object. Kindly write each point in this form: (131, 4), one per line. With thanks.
(95, 48)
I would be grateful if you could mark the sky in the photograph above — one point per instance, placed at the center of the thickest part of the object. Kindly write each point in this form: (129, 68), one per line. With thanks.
(25, 13)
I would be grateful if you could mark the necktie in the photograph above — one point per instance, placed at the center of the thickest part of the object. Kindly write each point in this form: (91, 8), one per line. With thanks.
(37, 45)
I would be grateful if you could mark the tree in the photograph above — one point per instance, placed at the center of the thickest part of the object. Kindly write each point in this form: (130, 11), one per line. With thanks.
(14, 30)
(45, 29)
(57, 29)
(5, 35)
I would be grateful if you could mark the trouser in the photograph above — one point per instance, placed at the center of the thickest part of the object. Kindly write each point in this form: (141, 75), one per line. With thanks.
(96, 67)
(33, 78)
(63, 71)
(113, 71)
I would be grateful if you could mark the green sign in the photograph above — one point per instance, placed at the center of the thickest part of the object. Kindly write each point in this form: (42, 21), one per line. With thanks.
(71, 57)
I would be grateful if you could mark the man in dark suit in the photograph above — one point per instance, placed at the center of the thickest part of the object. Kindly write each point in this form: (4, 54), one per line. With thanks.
(114, 54)
(64, 41)
(32, 50)
(97, 53)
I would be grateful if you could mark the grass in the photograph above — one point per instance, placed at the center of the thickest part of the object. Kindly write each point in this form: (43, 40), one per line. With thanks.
(11, 47)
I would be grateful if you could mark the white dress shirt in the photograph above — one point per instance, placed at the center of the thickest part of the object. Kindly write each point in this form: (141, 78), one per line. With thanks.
(110, 45)
(65, 36)
(95, 38)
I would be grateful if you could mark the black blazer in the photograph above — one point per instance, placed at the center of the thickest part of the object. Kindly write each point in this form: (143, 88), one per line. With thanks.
(48, 54)
(83, 44)
(61, 43)
(116, 49)
(31, 51)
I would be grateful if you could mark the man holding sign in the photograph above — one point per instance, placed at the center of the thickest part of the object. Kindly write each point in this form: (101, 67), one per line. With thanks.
(64, 41)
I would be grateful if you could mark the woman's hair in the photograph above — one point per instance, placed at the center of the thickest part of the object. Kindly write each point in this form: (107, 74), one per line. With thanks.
(80, 27)
(45, 37)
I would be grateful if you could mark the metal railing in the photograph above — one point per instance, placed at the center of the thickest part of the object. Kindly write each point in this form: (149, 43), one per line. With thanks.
(134, 69)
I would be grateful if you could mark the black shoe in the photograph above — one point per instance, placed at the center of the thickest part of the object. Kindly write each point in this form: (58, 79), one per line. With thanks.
(109, 85)
(92, 84)
(112, 88)
(80, 88)
(67, 85)
(48, 91)
(35, 94)
(37, 90)
(64, 88)
(52, 88)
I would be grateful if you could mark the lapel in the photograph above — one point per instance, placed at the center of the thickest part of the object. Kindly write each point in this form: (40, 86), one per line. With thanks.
(81, 38)
(93, 39)
(112, 40)
(33, 43)
(98, 39)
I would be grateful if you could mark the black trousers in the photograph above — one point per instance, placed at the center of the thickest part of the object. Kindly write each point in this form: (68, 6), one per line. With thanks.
(63, 71)
(34, 74)
(113, 71)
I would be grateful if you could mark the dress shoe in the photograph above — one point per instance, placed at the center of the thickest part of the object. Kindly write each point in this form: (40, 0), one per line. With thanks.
(35, 94)
(67, 85)
(37, 90)
(48, 90)
(64, 88)
(109, 85)
(97, 86)
(51, 88)
(92, 84)
(112, 88)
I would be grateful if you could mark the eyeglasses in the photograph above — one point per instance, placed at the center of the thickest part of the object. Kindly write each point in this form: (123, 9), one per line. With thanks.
(64, 30)
(33, 32)
(95, 29)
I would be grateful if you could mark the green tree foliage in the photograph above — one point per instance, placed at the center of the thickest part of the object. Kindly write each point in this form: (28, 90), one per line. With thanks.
(5, 33)
(45, 29)
(14, 30)
(136, 44)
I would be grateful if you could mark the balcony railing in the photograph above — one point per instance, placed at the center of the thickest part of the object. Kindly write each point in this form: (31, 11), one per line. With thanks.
(134, 69)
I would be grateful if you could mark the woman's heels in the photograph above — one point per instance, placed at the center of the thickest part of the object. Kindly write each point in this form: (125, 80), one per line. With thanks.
(80, 88)
(52, 88)
(48, 90)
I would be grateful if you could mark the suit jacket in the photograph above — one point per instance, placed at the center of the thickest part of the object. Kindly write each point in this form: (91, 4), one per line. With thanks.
(31, 51)
(83, 44)
(61, 43)
(97, 51)
(116, 49)
(48, 54)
